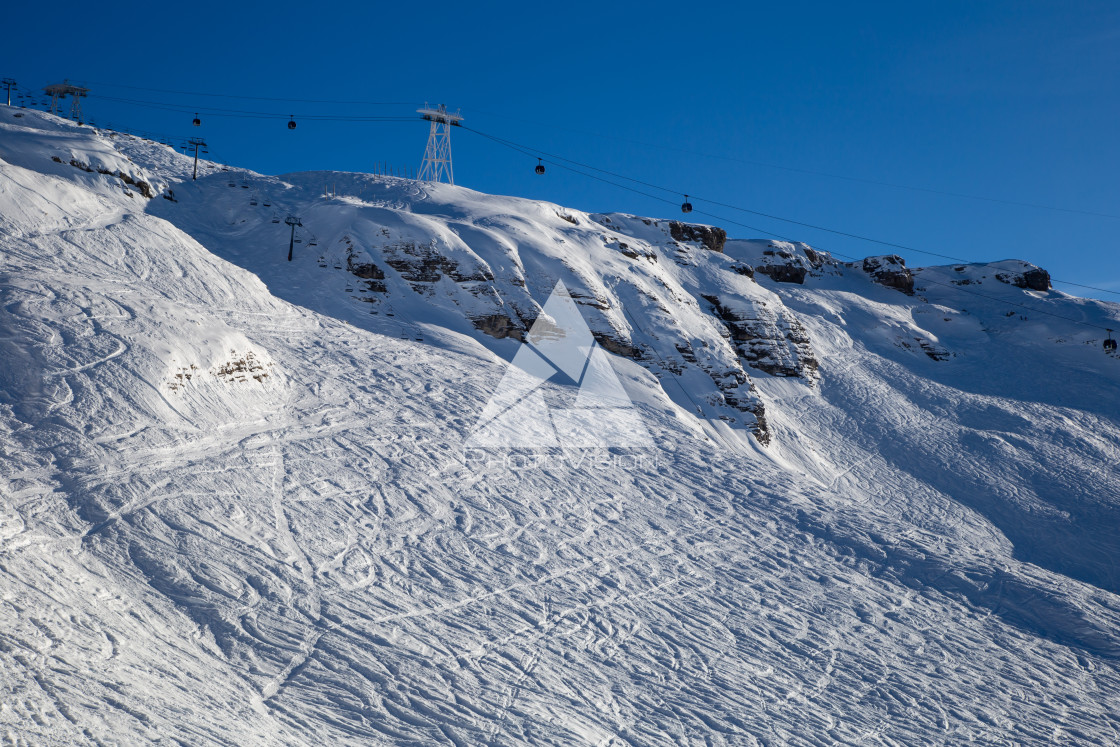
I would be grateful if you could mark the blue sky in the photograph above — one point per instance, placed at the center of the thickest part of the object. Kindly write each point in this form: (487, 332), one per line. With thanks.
(865, 118)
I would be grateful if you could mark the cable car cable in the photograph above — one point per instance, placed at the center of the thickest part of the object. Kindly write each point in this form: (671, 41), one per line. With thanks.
(860, 237)
(723, 219)
(251, 98)
(797, 170)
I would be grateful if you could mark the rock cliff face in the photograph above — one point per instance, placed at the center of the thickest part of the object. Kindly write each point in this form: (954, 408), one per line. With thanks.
(1034, 278)
(711, 237)
(771, 340)
(891, 271)
(781, 261)
(425, 263)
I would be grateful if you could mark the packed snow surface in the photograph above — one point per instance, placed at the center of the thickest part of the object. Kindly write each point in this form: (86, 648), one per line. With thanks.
(237, 503)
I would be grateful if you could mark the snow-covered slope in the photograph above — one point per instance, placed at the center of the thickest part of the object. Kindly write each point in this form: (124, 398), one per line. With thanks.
(236, 507)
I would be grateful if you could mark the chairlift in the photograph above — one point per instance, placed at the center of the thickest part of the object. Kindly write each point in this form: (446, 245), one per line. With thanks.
(275, 218)
(267, 203)
(253, 200)
(291, 121)
(313, 242)
(196, 121)
(686, 206)
(1110, 344)
(540, 167)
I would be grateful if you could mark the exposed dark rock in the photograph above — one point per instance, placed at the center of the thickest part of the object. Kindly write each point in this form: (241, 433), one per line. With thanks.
(499, 326)
(1035, 279)
(784, 273)
(762, 427)
(784, 262)
(891, 271)
(710, 236)
(634, 253)
(425, 264)
(142, 186)
(934, 352)
(617, 346)
(139, 184)
(778, 346)
(365, 270)
(740, 392)
(743, 270)
(593, 301)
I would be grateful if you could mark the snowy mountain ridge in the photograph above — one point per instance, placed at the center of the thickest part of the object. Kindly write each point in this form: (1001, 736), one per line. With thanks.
(236, 505)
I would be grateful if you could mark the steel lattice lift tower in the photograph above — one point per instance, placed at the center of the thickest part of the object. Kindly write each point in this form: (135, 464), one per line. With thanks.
(58, 91)
(437, 156)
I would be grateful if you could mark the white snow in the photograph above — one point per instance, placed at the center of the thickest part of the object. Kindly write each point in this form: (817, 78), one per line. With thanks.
(236, 505)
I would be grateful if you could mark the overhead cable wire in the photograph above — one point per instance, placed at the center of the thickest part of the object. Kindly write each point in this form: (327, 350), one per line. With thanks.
(810, 172)
(859, 237)
(253, 114)
(723, 219)
(254, 98)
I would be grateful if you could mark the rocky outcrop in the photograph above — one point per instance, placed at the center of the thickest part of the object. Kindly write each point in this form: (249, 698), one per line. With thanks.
(784, 273)
(142, 186)
(782, 262)
(891, 271)
(1034, 278)
(618, 346)
(775, 343)
(711, 237)
(368, 271)
(499, 326)
(424, 263)
(740, 392)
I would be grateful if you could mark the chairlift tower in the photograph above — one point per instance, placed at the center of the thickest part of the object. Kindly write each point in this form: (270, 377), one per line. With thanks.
(59, 91)
(8, 83)
(292, 221)
(196, 143)
(437, 156)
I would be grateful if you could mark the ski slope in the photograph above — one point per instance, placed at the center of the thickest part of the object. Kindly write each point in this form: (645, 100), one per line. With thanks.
(237, 506)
